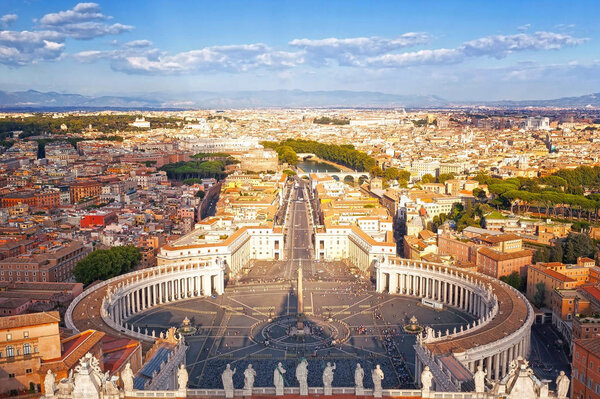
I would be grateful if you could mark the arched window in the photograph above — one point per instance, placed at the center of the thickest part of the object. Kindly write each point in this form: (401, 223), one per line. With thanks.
(10, 351)
(26, 349)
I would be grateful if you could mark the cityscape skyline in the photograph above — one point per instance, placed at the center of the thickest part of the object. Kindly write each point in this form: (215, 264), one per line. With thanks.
(462, 51)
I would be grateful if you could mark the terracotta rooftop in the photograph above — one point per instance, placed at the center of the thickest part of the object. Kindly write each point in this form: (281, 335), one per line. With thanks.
(73, 349)
(500, 256)
(590, 344)
(32, 319)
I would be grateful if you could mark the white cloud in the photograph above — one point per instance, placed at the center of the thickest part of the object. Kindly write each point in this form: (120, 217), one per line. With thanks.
(80, 13)
(84, 21)
(348, 51)
(138, 44)
(524, 28)
(497, 46)
(7, 20)
(421, 57)
(24, 47)
(139, 57)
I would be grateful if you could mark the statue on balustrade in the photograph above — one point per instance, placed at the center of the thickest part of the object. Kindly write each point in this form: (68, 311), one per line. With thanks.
(49, 384)
(302, 376)
(182, 377)
(359, 375)
(249, 375)
(278, 379)
(426, 379)
(328, 377)
(377, 376)
(562, 385)
(227, 378)
(479, 378)
(127, 378)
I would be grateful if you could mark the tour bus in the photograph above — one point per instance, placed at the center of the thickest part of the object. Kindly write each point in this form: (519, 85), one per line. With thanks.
(432, 304)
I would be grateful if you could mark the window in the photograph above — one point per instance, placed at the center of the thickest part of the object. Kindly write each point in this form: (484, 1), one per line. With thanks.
(10, 351)
(28, 371)
(11, 375)
(27, 349)
(25, 334)
(9, 337)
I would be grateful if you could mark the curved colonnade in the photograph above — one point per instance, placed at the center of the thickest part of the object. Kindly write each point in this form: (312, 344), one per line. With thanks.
(500, 334)
(124, 296)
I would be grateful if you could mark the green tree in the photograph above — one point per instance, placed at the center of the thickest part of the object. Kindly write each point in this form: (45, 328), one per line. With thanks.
(514, 280)
(103, 264)
(479, 193)
(541, 254)
(578, 245)
(442, 178)
(556, 253)
(427, 178)
(540, 294)
(392, 173)
(376, 171)
(404, 175)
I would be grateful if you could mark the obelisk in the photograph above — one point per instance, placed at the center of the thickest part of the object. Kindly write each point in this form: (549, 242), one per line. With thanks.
(300, 310)
(300, 300)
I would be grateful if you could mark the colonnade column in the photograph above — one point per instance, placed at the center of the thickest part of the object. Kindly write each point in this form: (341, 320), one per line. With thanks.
(497, 366)
(206, 288)
(401, 283)
(393, 283)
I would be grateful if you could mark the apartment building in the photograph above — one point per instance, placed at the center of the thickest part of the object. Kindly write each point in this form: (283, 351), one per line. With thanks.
(354, 226)
(556, 276)
(586, 369)
(25, 342)
(84, 189)
(51, 264)
(243, 228)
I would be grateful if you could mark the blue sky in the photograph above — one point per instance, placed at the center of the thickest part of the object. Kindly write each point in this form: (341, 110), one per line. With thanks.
(459, 50)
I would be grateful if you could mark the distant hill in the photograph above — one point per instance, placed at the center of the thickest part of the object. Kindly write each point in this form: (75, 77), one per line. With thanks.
(35, 100)
(38, 100)
(587, 101)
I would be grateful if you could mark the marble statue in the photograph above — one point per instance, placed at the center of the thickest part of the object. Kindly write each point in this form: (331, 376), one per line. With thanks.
(49, 384)
(426, 379)
(182, 378)
(359, 375)
(249, 375)
(278, 379)
(227, 378)
(479, 378)
(562, 385)
(377, 376)
(328, 378)
(302, 376)
(127, 378)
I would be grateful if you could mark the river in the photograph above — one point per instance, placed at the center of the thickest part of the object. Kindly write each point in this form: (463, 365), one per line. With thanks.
(316, 166)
